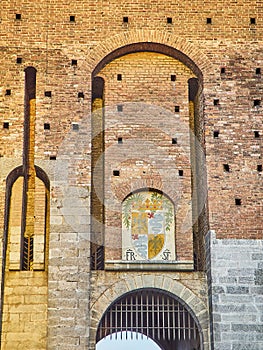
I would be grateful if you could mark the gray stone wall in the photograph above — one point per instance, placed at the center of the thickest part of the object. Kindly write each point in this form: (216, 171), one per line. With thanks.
(235, 274)
(69, 257)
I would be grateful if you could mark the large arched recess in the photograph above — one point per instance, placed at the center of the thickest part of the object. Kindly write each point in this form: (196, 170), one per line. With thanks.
(195, 98)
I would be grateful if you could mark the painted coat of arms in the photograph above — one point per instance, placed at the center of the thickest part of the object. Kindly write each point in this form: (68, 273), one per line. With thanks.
(148, 227)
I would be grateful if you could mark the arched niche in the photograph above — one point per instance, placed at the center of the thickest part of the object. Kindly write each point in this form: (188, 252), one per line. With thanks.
(21, 255)
(105, 181)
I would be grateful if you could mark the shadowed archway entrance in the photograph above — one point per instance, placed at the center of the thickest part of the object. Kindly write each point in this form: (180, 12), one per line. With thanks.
(156, 314)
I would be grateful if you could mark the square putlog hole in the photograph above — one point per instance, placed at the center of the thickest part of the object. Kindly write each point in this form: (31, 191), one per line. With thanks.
(238, 201)
(216, 134)
(226, 168)
(216, 102)
(48, 94)
(75, 126)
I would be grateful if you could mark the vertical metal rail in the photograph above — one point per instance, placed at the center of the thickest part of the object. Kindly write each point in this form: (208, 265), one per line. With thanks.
(184, 323)
(147, 315)
(179, 322)
(121, 319)
(158, 316)
(110, 326)
(189, 327)
(174, 321)
(131, 324)
(163, 318)
(126, 312)
(136, 313)
(116, 321)
(168, 321)
(153, 317)
(142, 321)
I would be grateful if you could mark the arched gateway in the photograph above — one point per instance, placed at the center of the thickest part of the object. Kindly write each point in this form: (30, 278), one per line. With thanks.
(159, 315)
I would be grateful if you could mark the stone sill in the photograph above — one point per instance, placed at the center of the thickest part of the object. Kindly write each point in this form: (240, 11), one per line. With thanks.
(120, 265)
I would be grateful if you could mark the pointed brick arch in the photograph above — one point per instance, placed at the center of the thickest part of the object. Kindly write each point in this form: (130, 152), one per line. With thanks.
(166, 283)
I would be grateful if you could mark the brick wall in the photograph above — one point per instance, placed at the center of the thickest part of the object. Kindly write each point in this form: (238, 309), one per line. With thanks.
(47, 38)
(49, 41)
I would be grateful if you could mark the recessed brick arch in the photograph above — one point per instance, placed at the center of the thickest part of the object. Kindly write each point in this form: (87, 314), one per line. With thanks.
(148, 47)
(149, 40)
(160, 282)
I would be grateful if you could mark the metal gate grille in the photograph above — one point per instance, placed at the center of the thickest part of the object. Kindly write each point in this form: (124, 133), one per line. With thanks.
(149, 312)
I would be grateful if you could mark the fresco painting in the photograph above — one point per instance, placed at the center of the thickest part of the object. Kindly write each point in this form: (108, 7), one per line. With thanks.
(148, 227)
